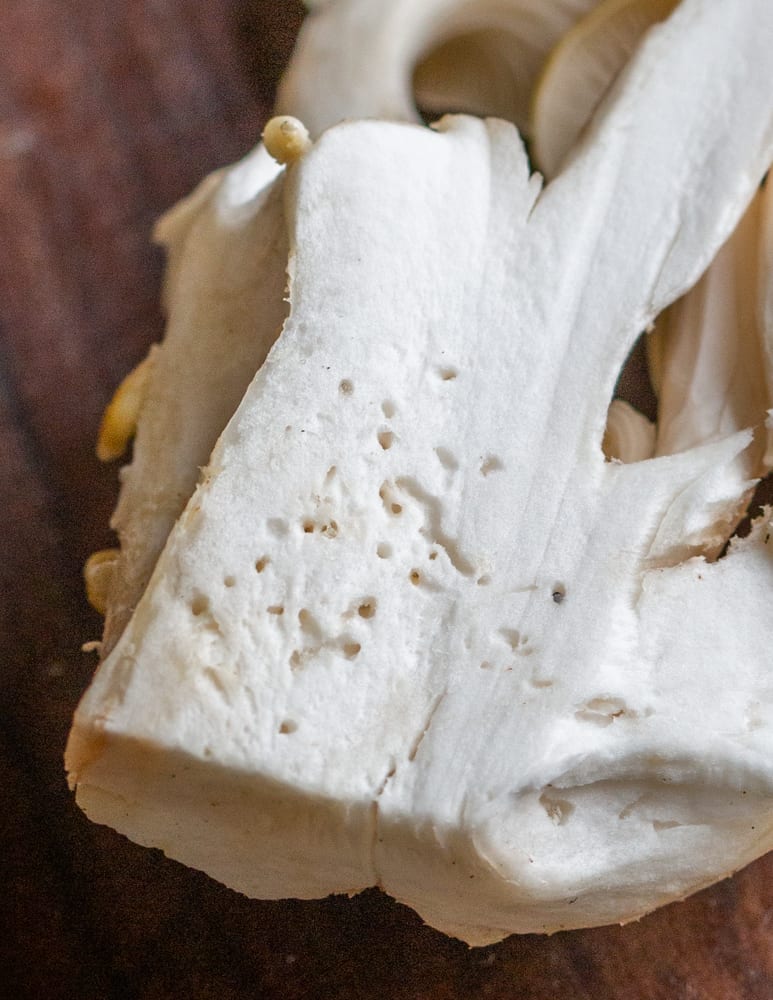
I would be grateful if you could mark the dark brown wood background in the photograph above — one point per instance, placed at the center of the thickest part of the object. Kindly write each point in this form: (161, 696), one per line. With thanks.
(110, 110)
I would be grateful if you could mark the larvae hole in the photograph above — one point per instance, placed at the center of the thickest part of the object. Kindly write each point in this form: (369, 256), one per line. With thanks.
(308, 622)
(415, 577)
(385, 439)
(261, 564)
(351, 649)
(345, 387)
(558, 810)
(229, 581)
(383, 551)
(388, 408)
(288, 726)
(275, 609)
(446, 459)
(199, 605)
(512, 637)
(368, 608)
(490, 464)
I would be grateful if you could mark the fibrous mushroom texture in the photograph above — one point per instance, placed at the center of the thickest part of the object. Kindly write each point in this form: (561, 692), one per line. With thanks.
(412, 630)
(224, 292)
(709, 353)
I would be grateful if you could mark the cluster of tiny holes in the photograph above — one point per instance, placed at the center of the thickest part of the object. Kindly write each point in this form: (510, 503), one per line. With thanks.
(329, 529)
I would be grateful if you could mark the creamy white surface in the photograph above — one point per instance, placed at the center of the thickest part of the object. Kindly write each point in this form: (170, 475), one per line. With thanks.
(476, 666)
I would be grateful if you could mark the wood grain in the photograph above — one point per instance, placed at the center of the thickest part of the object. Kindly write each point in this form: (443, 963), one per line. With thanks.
(110, 110)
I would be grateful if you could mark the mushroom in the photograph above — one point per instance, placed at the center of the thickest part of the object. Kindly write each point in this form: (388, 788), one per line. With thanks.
(534, 729)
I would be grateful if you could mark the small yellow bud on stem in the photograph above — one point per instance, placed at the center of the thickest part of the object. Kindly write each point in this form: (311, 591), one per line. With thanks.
(120, 418)
(97, 575)
(286, 139)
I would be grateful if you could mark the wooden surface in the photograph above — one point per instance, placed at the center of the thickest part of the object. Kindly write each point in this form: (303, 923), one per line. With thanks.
(110, 111)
